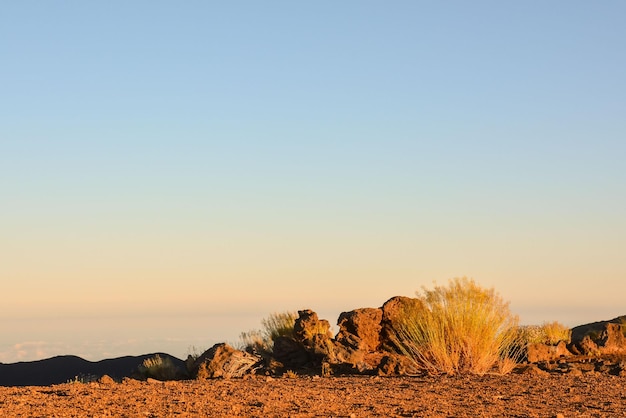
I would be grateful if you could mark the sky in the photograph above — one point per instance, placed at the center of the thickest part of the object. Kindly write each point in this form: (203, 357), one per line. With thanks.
(173, 172)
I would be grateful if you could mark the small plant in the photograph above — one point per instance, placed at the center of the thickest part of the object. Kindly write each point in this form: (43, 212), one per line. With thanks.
(556, 332)
(83, 378)
(290, 374)
(254, 341)
(279, 324)
(194, 352)
(459, 328)
(530, 334)
(550, 333)
(274, 326)
(158, 368)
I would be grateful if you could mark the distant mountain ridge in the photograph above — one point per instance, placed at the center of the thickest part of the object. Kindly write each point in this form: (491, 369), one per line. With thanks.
(61, 369)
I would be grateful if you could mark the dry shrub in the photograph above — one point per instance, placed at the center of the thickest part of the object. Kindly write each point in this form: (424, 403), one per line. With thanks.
(459, 328)
(277, 324)
(550, 333)
(254, 341)
(556, 332)
(159, 368)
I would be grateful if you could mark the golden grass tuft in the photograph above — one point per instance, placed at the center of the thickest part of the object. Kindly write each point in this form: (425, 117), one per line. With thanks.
(555, 332)
(550, 333)
(159, 368)
(277, 324)
(460, 328)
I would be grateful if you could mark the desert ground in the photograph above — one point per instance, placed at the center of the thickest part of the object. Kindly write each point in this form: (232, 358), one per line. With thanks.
(528, 393)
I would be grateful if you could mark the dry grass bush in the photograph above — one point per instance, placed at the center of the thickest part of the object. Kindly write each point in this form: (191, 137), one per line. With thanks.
(550, 333)
(277, 324)
(158, 368)
(460, 328)
(556, 332)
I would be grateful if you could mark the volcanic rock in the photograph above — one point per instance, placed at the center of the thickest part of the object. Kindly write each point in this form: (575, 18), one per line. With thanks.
(599, 338)
(309, 327)
(290, 353)
(360, 329)
(543, 352)
(222, 360)
(394, 311)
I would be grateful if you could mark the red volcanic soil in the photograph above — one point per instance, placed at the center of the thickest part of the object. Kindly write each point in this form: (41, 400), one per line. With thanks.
(516, 395)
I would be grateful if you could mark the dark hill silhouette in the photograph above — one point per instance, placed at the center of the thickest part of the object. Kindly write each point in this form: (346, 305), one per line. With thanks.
(61, 369)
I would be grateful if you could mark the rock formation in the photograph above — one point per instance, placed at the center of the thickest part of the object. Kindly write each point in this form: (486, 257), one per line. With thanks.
(599, 338)
(222, 360)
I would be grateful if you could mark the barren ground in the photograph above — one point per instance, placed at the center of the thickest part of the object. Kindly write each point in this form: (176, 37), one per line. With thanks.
(514, 395)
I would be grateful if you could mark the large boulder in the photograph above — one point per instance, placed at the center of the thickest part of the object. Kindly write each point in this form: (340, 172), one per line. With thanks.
(394, 311)
(360, 329)
(224, 361)
(599, 339)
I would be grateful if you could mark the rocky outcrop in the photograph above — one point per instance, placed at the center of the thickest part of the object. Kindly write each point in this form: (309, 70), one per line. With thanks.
(224, 361)
(366, 343)
(599, 338)
(543, 352)
(357, 348)
(594, 328)
(311, 346)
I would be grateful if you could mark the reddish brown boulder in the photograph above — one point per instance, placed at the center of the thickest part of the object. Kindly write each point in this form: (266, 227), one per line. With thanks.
(599, 338)
(394, 311)
(612, 340)
(360, 329)
(542, 352)
(222, 360)
(309, 327)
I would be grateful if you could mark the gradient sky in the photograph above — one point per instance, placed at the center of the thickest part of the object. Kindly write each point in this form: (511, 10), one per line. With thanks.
(172, 172)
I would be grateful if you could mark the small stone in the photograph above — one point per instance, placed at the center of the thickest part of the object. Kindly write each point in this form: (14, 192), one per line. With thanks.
(106, 380)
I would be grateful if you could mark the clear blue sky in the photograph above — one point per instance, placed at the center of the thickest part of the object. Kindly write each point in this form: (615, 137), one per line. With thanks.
(216, 161)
